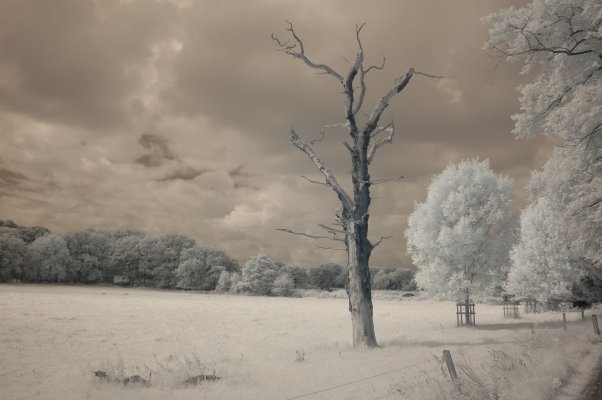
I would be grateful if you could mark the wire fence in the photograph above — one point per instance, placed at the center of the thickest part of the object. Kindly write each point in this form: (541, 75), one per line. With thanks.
(378, 392)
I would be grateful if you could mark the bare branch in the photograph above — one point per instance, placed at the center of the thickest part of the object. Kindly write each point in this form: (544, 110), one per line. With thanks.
(360, 100)
(379, 241)
(308, 235)
(381, 142)
(333, 230)
(379, 67)
(300, 54)
(312, 181)
(331, 180)
(323, 131)
(377, 181)
(429, 75)
(331, 248)
(363, 72)
(350, 110)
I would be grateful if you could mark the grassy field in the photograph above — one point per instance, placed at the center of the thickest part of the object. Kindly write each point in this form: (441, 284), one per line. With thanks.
(52, 338)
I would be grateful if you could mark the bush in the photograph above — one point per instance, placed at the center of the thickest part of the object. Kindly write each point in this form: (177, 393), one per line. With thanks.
(299, 275)
(258, 275)
(327, 276)
(200, 268)
(235, 286)
(392, 279)
(283, 285)
(224, 282)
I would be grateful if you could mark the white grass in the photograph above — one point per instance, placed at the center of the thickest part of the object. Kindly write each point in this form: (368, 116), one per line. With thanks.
(52, 338)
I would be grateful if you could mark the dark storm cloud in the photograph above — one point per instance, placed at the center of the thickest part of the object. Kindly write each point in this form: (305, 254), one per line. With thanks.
(158, 152)
(204, 82)
(10, 178)
(185, 174)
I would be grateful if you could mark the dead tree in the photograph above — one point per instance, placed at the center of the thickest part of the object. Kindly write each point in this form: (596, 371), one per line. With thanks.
(364, 141)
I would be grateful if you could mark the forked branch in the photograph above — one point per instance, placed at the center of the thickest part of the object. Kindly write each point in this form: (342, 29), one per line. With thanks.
(298, 51)
(381, 141)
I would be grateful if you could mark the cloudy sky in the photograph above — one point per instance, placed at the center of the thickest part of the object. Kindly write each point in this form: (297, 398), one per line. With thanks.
(173, 116)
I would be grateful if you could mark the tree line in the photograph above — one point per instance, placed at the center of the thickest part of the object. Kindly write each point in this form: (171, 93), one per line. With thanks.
(169, 261)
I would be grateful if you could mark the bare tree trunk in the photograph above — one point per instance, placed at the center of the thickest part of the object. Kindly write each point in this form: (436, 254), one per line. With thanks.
(359, 292)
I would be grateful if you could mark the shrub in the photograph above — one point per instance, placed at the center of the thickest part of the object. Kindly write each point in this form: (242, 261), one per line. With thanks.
(224, 282)
(283, 285)
(327, 276)
(200, 268)
(299, 275)
(258, 275)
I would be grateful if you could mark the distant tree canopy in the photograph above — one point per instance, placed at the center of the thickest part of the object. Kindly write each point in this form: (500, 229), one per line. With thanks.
(26, 233)
(201, 267)
(392, 279)
(12, 253)
(328, 276)
(131, 257)
(123, 256)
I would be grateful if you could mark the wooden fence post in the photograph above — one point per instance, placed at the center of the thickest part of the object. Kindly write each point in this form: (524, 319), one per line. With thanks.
(595, 322)
(564, 321)
(450, 365)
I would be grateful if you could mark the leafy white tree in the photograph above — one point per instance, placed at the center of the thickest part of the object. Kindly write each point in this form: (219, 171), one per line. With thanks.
(561, 41)
(47, 259)
(460, 237)
(258, 275)
(541, 260)
(559, 186)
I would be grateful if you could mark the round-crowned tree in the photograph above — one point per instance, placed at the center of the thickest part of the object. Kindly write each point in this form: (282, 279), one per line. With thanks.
(47, 259)
(258, 275)
(460, 237)
(541, 260)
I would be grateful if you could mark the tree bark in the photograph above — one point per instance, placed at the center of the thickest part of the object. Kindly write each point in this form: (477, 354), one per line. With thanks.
(359, 292)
